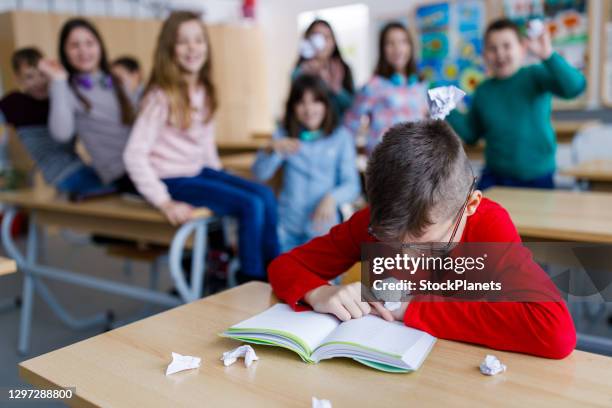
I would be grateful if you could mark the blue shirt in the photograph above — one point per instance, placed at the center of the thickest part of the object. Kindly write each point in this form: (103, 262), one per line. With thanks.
(322, 166)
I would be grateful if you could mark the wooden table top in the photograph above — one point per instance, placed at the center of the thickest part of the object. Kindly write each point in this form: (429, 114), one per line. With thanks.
(240, 162)
(113, 206)
(557, 214)
(7, 266)
(126, 367)
(592, 170)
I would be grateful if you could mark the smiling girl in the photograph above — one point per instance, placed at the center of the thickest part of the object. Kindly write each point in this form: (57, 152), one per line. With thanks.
(172, 157)
(87, 100)
(318, 161)
(395, 92)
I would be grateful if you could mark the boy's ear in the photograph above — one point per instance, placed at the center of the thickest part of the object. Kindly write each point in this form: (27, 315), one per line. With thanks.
(473, 202)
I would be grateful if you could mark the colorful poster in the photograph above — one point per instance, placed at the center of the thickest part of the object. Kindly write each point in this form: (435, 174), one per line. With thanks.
(450, 40)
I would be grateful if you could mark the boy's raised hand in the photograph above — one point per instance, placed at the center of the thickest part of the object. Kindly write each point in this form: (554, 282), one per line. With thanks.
(344, 301)
(52, 69)
(541, 46)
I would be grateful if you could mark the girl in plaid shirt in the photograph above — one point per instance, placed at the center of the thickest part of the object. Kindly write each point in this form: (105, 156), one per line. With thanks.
(395, 93)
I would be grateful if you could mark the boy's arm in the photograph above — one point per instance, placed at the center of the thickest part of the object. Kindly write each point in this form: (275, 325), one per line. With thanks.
(61, 110)
(467, 125)
(556, 75)
(348, 185)
(542, 328)
(311, 265)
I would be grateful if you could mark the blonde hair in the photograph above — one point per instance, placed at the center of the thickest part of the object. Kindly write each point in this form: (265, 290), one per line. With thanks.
(166, 74)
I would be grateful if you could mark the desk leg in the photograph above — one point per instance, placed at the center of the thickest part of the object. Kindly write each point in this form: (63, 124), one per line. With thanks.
(200, 228)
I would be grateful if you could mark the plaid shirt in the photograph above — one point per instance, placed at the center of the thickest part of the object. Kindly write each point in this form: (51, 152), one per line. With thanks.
(386, 104)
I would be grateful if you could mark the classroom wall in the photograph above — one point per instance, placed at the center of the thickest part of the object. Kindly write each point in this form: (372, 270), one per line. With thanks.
(239, 60)
(279, 22)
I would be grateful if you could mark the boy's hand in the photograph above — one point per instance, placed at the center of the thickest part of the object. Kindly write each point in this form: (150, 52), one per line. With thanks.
(285, 146)
(541, 46)
(344, 301)
(52, 69)
(177, 212)
(325, 211)
(398, 314)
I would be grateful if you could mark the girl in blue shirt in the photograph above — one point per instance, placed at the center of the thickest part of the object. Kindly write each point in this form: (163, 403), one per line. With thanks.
(318, 161)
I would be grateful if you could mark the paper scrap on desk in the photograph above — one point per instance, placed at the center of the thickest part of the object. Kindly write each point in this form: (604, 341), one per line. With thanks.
(443, 100)
(320, 403)
(491, 366)
(535, 28)
(181, 363)
(391, 306)
(245, 351)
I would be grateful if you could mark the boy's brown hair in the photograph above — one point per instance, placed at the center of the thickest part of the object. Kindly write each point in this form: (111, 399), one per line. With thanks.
(502, 24)
(418, 175)
(29, 56)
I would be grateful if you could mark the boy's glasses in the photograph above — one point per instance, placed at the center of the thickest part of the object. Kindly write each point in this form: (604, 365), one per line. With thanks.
(438, 249)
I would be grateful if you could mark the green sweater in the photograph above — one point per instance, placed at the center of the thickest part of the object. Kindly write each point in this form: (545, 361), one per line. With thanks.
(513, 116)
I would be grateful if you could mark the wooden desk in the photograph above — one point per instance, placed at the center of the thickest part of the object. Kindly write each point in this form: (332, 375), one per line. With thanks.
(125, 367)
(113, 217)
(239, 164)
(7, 266)
(567, 129)
(597, 172)
(251, 145)
(557, 215)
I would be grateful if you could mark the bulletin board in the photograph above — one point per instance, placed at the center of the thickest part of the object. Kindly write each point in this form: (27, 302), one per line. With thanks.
(606, 54)
(571, 25)
(450, 42)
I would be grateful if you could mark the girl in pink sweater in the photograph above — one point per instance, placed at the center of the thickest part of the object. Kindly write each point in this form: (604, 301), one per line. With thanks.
(171, 155)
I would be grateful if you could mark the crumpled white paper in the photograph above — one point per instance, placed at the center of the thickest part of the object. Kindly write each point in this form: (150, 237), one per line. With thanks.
(320, 403)
(310, 46)
(391, 306)
(443, 100)
(181, 363)
(491, 365)
(244, 351)
(535, 28)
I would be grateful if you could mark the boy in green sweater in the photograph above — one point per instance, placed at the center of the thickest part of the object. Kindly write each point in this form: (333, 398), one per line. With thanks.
(511, 110)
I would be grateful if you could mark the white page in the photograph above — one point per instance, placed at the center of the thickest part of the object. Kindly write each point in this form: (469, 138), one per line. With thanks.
(378, 334)
(310, 327)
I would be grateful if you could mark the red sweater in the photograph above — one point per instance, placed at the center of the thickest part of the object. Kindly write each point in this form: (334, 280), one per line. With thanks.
(541, 328)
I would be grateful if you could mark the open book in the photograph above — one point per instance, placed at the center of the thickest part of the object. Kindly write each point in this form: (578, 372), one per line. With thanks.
(386, 346)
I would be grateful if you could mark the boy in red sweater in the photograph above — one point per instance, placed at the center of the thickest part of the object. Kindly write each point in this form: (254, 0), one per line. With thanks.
(420, 188)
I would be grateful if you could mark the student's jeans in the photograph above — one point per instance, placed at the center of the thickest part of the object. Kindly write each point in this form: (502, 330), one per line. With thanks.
(490, 179)
(253, 204)
(84, 182)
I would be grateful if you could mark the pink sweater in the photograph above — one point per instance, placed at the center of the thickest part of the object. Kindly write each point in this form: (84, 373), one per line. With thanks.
(157, 150)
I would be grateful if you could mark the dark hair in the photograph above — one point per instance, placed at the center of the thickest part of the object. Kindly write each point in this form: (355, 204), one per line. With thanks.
(131, 64)
(417, 175)
(502, 24)
(127, 110)
(383, 68)
(347, 82)
(29, 56)
(301, 85)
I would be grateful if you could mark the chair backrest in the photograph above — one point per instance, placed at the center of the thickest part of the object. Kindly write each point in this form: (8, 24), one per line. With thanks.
(592, 143)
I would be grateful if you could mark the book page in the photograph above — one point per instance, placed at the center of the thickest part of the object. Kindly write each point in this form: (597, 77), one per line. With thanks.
(309, 327)
(371, 332)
